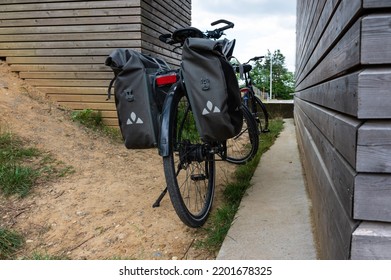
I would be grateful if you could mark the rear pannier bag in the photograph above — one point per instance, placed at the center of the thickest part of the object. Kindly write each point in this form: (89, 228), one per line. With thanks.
(136, 106)
(212, 89)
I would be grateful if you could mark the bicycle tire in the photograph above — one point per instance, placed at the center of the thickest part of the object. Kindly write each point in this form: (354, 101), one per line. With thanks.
(260, 113)
(190, 174)
(243, 147)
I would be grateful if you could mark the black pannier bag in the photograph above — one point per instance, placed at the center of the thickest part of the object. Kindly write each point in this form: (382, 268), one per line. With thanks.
(212, 89)
(136, 106)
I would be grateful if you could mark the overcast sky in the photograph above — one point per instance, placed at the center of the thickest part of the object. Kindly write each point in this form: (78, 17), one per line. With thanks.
(260, 25)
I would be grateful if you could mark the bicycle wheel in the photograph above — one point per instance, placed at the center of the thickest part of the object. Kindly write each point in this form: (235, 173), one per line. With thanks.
(258, 109)
(190, 167)
(244, 146)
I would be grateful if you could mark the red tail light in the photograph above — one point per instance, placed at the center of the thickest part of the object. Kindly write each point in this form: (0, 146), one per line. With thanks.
(244, 90)
(164, 80)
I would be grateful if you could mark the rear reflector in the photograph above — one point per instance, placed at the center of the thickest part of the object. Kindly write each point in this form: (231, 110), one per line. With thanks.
(164, 80)
(244, 90)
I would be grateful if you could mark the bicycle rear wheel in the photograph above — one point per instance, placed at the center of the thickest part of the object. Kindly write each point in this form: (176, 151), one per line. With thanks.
(189, 168)
(243, 147)
(259, 111)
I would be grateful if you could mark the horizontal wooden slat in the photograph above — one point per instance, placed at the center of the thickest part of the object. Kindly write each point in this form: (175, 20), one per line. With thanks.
(70, 21)
(74, 90)
(57, 60)
(376, 39)
(69, 83)
(67, 75)
(71, 44)
(80, 98)
(108, 106)
(58, 68)
(372, 196)
(70, 5)
(373, 147)
(7, 2)
(110, 115)
(59, 52)
(372, 241)
(68, 14)
(376, 4)
(112, 122)
(70, 29)
(75, 37)
(374, 95)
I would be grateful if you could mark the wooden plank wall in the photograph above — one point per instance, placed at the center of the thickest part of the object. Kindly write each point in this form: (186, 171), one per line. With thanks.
(343, 118)
(159, 17)
(60, 46)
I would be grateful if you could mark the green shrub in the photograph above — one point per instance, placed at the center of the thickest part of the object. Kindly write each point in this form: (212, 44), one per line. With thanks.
(88, 117)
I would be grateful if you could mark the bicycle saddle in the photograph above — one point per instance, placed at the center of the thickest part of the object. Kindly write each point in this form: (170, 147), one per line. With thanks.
(180, 35)
(245, 68)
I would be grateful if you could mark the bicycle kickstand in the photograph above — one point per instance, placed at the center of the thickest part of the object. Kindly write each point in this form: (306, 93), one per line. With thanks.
(159, 199)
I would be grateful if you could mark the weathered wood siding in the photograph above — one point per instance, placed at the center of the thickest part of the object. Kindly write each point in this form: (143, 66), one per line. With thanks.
(343, 117)
(60, 46)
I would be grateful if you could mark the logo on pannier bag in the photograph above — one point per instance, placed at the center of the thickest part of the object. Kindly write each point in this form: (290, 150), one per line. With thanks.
(210, 108)
(205, 84)
(133, 119)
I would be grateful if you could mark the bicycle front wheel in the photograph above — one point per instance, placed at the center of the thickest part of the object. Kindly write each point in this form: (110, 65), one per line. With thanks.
(259, 111)
(189, 168)
(243, 147)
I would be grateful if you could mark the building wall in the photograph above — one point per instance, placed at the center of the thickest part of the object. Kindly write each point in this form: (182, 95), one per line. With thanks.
(60, 46)
(343, 118)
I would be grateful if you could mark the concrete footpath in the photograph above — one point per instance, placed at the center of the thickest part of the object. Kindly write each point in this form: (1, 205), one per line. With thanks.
(273, 221)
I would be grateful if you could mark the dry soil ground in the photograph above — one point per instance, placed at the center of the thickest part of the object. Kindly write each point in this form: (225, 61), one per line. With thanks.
(103, 210)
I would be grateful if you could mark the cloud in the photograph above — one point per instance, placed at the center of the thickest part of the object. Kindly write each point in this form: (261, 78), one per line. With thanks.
(260, 25)
(246, 7)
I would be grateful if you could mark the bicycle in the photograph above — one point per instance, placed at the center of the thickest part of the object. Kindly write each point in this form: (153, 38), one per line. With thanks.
(250, 100)
(189, 161)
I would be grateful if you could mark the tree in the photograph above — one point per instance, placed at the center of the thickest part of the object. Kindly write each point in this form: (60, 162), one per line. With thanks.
(283, 80)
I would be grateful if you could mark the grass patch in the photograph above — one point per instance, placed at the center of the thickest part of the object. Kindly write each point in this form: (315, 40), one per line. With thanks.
(37, 256)
(93, 120)
(11, 149)
(88, 117)
(23, 167)
(17, 179)
(10, 242)
(221, 220)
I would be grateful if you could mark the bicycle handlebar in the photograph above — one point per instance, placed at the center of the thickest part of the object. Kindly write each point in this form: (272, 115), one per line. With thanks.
(180, 35)
(228, 24)
(218, 32)
(256, 58)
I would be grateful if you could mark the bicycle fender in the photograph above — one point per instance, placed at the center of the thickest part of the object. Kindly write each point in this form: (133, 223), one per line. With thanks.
(164, 140)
